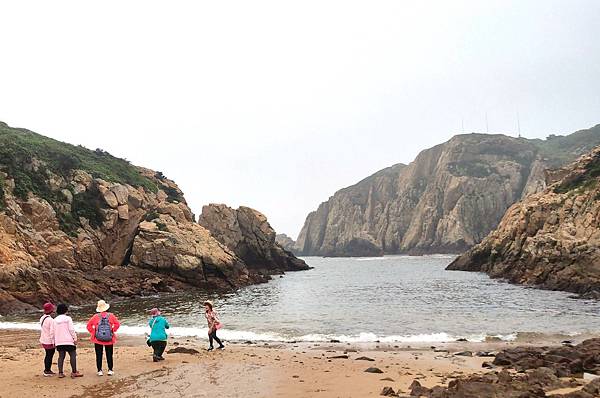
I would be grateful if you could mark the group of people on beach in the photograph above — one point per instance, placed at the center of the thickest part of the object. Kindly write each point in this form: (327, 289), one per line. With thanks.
(58, 334)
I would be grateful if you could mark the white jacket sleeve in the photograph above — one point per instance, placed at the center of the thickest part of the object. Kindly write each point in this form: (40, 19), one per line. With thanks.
(72, 330)
(52, 332)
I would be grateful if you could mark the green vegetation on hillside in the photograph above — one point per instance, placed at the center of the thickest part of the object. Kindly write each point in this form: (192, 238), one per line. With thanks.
(559, 150)
(19, 146)
(585, 181)
(21, 152)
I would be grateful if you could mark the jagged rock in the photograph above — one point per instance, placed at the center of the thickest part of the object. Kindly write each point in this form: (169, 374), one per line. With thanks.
(286, 242)
(123, 212)
(66, 236)
(495, 385)
(447, 200)
(109, 196)
(188, 251)
(388, 392)
(564, 361)
(121, 193)
(248, 234)
(550, 239)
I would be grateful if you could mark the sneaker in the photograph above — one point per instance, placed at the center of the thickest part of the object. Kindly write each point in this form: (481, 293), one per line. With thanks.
(110, 373)
(210, 348)
(221, 347)
(161, 359)
(100, 373)
(61, 375)
(48, 373)
(76, 374)
(155, 359)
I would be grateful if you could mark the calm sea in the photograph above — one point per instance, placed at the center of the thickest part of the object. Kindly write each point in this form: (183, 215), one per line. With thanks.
(389, 299)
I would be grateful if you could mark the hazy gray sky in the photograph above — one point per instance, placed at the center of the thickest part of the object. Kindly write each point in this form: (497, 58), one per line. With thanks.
(276, 105)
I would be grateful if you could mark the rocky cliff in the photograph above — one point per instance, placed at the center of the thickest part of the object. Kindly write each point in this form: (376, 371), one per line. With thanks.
(286, 242)
(77, 225)
(447, 200)
(550, 239)
(248, 234)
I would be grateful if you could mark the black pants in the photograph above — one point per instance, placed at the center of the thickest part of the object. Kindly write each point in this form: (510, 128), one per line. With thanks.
(109, 356)
(159, 348)
(48, 358)
(213, 336)
(72, 358)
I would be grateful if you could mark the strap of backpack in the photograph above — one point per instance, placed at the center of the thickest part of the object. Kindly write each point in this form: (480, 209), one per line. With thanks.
(44, 320)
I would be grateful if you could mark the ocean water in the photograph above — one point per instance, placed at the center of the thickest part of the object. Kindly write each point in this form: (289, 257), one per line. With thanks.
(389, 299)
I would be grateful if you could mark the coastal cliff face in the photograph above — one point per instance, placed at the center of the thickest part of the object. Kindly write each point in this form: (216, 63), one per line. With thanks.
(249, 235)
(286, 242)
(77, 225)
(550, 239)
(447, 200)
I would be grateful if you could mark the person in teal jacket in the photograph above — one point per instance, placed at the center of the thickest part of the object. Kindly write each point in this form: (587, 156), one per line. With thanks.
(158, 334)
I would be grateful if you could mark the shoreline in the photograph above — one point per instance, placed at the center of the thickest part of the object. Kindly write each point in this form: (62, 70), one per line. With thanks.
(366, 339)
(259, 369)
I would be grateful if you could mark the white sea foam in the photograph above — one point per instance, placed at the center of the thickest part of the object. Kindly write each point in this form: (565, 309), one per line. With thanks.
(243, 335)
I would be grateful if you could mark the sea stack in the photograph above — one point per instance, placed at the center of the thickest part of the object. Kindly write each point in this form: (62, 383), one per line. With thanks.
(249, 235)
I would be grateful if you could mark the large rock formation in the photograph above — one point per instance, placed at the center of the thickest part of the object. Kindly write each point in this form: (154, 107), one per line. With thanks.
(248, 234)
(286, 242)
(447, 200)
(77, 225)
(550, 239)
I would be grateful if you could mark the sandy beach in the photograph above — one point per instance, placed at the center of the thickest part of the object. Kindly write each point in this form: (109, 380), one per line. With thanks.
(242, 370)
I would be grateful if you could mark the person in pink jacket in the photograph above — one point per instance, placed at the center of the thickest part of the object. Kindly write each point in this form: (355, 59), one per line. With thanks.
(65, 339)
(103, 327)
(46, 340)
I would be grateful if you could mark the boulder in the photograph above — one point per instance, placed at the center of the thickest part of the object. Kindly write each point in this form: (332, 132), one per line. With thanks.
(248, 234)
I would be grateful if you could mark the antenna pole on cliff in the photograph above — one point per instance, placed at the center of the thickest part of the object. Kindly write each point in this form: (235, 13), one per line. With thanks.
(519, 124)
(487, 128)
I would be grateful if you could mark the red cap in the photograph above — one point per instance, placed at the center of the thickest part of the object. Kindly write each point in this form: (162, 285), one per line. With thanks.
(48, 308)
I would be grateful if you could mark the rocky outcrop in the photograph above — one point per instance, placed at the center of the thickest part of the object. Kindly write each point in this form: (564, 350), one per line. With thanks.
(249, 235)
(550, 239)
(78, 225)
(447, 200)
(539, 370)
(565, 361)
(286, 242)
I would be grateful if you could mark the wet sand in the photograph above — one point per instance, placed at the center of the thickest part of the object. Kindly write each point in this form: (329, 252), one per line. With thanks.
(242, 370)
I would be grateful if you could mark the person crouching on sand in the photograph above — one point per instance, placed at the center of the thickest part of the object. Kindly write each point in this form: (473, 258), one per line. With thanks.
(103, 327)
(46, 340)
(213, 325)
(65, 339)
(158, 334)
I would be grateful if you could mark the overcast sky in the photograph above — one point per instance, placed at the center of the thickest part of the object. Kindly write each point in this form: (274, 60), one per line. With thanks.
(276, 105)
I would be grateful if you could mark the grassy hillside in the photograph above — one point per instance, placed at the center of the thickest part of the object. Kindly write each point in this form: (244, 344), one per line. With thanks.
(18, 148)
(559, 150)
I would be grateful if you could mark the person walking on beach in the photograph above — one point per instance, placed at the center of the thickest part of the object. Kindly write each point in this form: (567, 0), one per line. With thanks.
(65, 339)
(213, 325)
(103, 327)
(46, 339)
(158, 334)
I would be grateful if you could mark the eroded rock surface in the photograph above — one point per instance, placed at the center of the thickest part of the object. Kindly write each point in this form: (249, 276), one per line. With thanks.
(447, 200)
(249, 235)
(550, 239)
(66, 234)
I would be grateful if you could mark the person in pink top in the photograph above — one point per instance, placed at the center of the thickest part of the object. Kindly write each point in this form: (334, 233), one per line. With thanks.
(103, 327)
(65, 339)
(46, 340)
